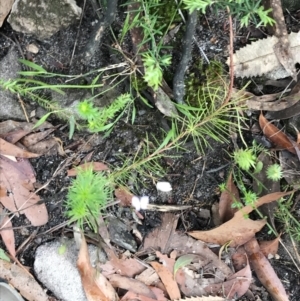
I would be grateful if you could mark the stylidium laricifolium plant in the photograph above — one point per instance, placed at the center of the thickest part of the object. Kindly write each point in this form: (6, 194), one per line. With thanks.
(245, 159)
(87, 196)
(274, 172)
(98, 118)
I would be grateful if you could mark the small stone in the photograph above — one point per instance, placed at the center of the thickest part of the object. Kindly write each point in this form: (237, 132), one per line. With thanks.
(32, 48)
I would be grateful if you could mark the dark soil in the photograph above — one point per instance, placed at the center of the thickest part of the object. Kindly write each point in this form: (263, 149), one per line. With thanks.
(194, 177)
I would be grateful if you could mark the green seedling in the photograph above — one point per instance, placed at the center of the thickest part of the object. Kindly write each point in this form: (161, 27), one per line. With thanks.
(284, 214)
(87, 196)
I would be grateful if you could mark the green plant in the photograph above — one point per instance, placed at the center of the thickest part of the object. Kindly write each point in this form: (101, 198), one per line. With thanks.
(147, 16)
(246, 161)
(243, 10)
(284, 214)
(96, 118)
(245, 158)
(87, 196)
(274, 172)
(153, 69)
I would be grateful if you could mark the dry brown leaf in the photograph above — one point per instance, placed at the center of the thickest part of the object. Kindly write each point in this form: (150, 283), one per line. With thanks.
(167, 239)
(228, 196)
(268, 198)
(95, 285)
(159, 293)
(96, 166)
(10, 149)
(259, 103)
(124, 195)
(22, 281)
(235, 286)
(132, 285)
(239, 229)
(209, 298)
(7, 235)
(259, 58)
(16, 178)
(275, 135)
(268, 247)
(168, 280)
(167, 261)
(265, 271)
(46, 147)
(129, 296)
(129, 267)
(239, 258)
(191, 284)
(15, 136)
(103, 232)
(34, 138)
(149, 276)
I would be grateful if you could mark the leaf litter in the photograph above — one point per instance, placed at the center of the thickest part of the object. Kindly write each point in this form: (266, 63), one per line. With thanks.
(179, 272)
(17, 191)
(174, 275)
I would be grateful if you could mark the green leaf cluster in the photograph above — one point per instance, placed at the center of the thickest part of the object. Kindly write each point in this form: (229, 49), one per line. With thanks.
(285, 214)
(87, 196)
(153, 69)
(243, 10)
(245, 158)
(98, 118)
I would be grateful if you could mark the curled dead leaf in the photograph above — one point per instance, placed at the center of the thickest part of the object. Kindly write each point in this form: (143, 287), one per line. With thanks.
(228, 196)
(168, 280)
(10, 149)
(124, 195)
(275, 135)
(265, 271)
(270, 246)
(7, 235)
(95, 285)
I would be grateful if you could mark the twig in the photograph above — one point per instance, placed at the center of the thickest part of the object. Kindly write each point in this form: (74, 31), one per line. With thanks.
(231, 69)
(23, 107)
(194, 38)
(178, 81)
(77, 35)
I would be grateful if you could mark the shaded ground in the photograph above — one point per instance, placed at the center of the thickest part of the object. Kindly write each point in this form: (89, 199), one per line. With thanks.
(194, 177)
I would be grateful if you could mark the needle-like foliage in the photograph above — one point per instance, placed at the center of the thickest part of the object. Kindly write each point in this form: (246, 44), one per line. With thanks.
(87, 196)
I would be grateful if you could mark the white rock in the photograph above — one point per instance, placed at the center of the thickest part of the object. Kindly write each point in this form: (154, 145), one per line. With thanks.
(58, 272)
(164, 186)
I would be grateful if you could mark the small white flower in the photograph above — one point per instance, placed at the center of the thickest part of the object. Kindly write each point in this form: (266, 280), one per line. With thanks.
(140, 203)
(164, 186)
